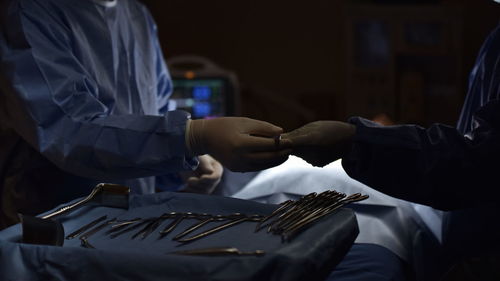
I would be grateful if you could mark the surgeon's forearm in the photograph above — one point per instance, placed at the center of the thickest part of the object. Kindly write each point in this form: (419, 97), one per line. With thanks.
(435, 166)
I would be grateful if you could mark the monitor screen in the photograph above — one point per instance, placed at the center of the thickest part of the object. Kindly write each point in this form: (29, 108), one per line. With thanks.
(202, 97)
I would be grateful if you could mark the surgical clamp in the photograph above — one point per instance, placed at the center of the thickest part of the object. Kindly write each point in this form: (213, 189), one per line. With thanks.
(85, 227)
(219, 251)
(91, 232)
(222, 227)
(203, 222)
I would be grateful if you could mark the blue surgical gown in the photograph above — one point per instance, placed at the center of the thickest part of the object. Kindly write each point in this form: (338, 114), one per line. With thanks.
(84, 95)
(454, 169)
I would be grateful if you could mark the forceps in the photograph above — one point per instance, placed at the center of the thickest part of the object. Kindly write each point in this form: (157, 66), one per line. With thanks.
(221, 227)
(85, 227)
(93, 231)
(283, 206)
(85, 243)
(327, 199)
(203, 222)
(286, 209)
(130, 228)
(122, 225)
(219, 251)
(305, 201)
(170, 227)
(295, 228)
(179, 217)
(150, 227)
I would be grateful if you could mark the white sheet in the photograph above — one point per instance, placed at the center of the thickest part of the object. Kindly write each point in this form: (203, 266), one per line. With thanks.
(382, 219)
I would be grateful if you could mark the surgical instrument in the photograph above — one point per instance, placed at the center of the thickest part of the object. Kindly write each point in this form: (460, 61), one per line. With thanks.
(203, 222)
(96, 229)
(130, 228)
(169, 228)
(150, 227)
(304, 215)
(219, 251)
(122, 225)
(292, 217)
(304, 201)
(85, 227)
(221, 227)
(283, 206)
(103, 194)
(320, 202)
(85, 243)
(324, 210)
(293, 230)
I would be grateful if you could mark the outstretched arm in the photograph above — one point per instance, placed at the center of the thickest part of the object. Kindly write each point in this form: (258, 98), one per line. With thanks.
(436, 166)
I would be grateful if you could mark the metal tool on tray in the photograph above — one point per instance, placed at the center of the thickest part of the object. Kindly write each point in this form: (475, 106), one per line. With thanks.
(150, 227)
(135, 225)
(177, 219)
(96, 229)
(121, 225)
(103, 194)
(47, 231)
(85, 227)
(288, 220)
(295, 228)
(204, 222)
(219, 251)
(236, 220)
(293, 217)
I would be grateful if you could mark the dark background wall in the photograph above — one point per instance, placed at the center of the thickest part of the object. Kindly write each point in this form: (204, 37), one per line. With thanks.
(293, 58)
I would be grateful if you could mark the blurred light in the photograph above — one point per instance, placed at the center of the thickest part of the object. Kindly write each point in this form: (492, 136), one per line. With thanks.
(189, 74)
(189, 102)
(202, 109)
(172, 105)
(202, 92)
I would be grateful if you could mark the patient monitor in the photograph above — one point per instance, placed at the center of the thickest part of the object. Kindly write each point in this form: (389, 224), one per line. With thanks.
(202, 88)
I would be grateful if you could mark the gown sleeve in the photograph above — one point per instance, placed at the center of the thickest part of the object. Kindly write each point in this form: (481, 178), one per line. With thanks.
(438, 166)
(53, 103)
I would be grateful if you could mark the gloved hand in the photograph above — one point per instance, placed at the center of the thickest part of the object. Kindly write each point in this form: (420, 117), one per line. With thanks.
(321, 142)
(205, 178)
(240, 144)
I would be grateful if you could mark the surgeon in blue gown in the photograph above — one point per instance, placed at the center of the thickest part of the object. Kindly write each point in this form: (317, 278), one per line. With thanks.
(84, 92)
(452, 169)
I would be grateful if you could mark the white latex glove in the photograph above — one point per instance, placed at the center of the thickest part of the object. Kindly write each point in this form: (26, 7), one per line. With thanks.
(320, 142)
(205, 178)
(240, 144)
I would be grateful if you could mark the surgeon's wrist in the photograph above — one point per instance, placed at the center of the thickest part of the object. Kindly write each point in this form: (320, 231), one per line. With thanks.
(194, 137)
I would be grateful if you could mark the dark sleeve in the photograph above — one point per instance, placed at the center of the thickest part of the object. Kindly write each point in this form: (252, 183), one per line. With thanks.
(437, 166)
